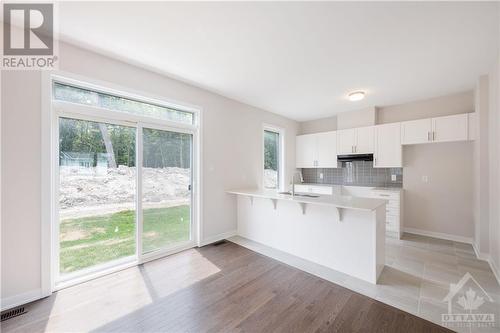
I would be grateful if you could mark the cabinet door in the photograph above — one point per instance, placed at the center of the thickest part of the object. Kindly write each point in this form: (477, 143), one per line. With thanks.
(388, 149)
(305, 151)
(416, 131)
(327, 150)
(450, 128)
(364, 140)
(346, 140)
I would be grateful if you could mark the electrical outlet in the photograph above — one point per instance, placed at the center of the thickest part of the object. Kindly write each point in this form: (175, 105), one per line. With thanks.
(393, 178)
(321, 175)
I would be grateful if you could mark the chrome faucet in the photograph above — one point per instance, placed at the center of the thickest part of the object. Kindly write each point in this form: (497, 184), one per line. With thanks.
(293, 181)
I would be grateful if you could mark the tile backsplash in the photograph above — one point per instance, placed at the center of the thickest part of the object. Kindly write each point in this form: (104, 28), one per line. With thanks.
(357, 173)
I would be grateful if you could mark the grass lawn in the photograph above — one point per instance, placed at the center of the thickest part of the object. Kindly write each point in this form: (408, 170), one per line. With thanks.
(89, 241)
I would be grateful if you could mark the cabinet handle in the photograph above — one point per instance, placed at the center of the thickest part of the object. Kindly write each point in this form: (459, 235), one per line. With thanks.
(375, 161)
(428, 136)
(433, 136)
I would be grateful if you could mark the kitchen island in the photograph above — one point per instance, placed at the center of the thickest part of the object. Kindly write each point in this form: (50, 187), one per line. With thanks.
(344, 233)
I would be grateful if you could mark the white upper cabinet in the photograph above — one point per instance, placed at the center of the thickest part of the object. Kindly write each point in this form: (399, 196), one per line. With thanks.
(449, 128)
(365, 140)
(440, 129)
(388, 149)
(416, 131)
(355, 140)
(317, 150)
(305, 151)
(327, 150)
(346, 140)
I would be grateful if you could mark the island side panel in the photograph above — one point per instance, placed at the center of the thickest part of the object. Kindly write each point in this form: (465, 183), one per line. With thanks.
(380, 240)
(349, 246)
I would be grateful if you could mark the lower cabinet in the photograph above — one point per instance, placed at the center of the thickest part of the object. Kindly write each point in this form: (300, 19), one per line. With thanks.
(393, 210)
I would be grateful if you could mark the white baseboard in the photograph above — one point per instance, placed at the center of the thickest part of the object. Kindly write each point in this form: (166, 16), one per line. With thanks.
(216, 238)
(480, 255)
(440, 235)
(486, 257)
(495, 270)
(20, 299)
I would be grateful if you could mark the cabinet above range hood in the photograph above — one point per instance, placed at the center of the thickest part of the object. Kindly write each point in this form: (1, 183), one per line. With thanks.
(355, 157)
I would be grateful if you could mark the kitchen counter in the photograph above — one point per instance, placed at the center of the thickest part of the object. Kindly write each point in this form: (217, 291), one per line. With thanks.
(339, 201)
(342, 232)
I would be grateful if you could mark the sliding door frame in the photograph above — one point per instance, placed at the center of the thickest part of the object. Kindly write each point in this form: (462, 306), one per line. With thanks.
(52, 111)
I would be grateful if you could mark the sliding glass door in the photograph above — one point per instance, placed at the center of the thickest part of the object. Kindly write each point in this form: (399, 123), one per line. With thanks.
(97, 194)
(98, 207)
(166, 189)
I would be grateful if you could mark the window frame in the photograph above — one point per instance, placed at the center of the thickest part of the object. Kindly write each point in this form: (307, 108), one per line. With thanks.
(52, 110)
(281, 155)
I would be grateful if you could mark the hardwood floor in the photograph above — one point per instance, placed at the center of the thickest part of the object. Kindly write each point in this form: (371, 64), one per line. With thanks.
(212, 289)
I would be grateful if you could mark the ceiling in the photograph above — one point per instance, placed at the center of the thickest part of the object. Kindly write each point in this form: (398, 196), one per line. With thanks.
(297, 59)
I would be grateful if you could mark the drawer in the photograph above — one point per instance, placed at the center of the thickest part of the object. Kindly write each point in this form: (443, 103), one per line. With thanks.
(392, 196)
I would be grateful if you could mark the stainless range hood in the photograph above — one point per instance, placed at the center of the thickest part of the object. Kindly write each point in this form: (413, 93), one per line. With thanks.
(355, 157)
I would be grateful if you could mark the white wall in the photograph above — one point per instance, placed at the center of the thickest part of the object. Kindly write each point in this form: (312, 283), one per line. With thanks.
(444, 204)
(232, 155)
(318, 125)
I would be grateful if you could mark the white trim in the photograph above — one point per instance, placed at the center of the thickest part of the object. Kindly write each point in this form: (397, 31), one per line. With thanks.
(138, 199)
(163, 252)
(282, 160)
(20, 299)
(47, 188)
(219, 237)
(95, 272)
(441, 235)
(480, 255)
(495, 269)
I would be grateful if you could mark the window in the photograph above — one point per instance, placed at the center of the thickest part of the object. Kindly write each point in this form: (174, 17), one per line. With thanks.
(67, 93)
(273, 158)
(124, 179)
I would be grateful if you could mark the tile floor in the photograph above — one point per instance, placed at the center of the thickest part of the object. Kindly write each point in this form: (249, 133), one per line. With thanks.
(416, 278)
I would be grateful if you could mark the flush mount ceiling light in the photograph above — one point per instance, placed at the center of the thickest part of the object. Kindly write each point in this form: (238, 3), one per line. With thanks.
(356, 96)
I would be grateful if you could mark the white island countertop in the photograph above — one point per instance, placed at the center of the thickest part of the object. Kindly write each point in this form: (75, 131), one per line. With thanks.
(339, 201)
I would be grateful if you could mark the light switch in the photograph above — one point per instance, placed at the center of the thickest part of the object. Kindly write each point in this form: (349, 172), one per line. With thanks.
(393, 178)
(321, 175)
(425, 179)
